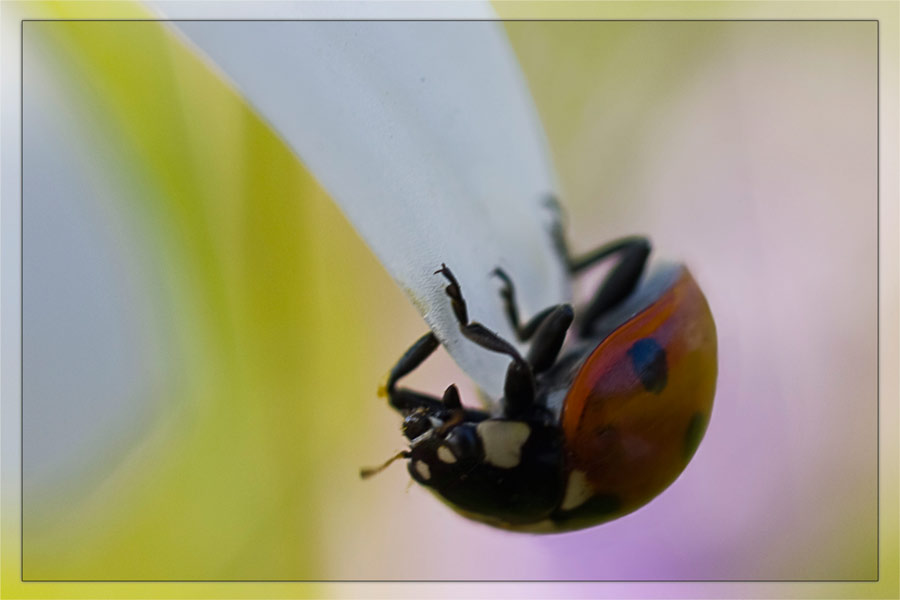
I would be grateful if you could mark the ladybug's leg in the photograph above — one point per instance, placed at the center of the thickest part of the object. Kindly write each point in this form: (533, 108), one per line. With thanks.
(634, 244)
(557, 227)
(549, 338)
(508, 293)
(405, 400)
(575, 265)
(620, 281)
(519, 385)
(548, 327)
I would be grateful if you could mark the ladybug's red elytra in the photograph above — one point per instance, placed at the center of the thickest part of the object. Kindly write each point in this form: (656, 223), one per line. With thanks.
(588, 430)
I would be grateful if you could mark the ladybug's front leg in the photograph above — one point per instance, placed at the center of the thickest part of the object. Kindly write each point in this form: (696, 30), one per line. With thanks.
(518, 389)
(404, 400)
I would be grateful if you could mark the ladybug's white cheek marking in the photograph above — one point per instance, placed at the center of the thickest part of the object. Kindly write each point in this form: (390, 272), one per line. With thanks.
(578, 490)
(502, 441)
(422, 469)
(445, 455)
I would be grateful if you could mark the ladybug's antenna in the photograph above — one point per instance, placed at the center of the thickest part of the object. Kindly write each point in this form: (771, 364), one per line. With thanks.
(367, 472)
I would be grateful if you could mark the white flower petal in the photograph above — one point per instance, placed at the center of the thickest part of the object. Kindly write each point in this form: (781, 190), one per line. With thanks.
(425, 134)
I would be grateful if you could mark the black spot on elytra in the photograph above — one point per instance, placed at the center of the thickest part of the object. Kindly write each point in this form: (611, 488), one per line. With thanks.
(693, 434)
(649, 362)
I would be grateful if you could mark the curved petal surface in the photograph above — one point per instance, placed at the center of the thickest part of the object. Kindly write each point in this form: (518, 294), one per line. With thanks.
(425, 134)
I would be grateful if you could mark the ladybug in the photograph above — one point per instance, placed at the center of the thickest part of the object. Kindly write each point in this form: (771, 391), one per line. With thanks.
(591, 426)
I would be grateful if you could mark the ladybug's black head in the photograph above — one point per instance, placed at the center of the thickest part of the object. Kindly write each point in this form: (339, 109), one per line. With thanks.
(500, 470)
(438, 436)
(441, 451)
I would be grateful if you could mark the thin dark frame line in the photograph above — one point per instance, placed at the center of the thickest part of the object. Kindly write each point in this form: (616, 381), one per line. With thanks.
(389, 20)
(425, 20)
(636, 581)
(878, 298)
(22, 300)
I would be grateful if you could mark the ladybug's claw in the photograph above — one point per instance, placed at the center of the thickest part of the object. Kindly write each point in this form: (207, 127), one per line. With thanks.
(508, 294)
(448, 274)
(456, 299)
(507, 290)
